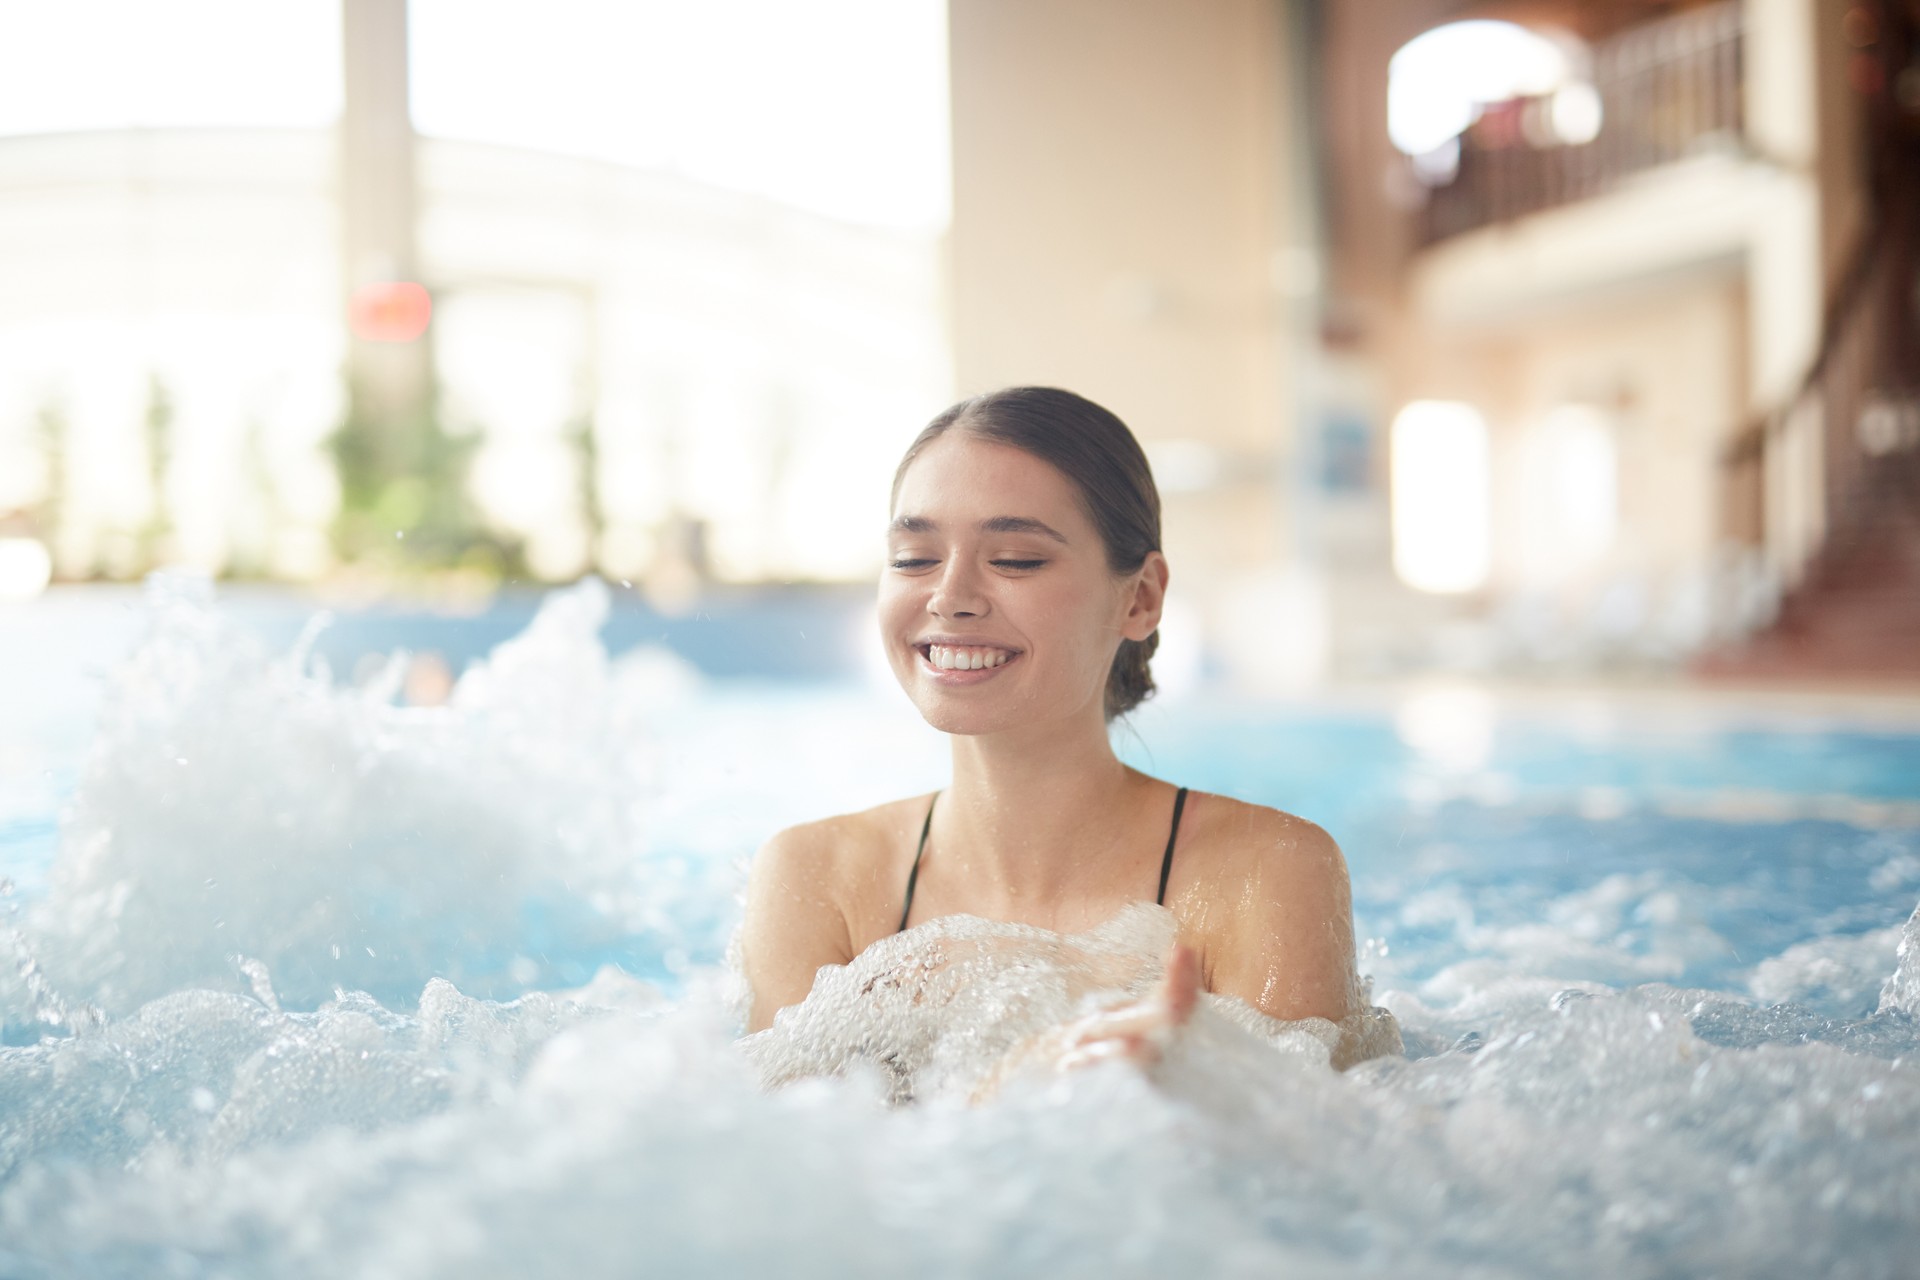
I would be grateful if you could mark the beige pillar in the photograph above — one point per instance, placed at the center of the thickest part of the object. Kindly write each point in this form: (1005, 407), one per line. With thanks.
(1126, 224)
(377, 196)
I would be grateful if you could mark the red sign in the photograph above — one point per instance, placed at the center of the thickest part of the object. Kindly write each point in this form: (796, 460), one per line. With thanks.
(389, 311)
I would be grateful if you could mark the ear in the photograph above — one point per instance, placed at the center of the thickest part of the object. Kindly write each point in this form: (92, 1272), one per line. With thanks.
(1146, 599)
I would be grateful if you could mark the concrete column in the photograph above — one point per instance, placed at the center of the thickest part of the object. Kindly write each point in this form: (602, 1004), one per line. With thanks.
(377, 198)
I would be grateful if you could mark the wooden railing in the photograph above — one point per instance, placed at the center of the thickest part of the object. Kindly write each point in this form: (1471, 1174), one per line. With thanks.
(1668, 89)
(1833, 466)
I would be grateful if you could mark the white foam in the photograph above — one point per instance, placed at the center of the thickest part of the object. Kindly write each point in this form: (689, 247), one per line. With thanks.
(482, 1139)
(240, 809)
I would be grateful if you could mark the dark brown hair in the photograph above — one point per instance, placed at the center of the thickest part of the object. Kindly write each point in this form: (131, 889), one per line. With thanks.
(1092, 448)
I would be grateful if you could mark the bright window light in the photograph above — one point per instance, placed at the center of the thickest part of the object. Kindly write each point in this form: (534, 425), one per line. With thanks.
(1576, 113)
(135, 64)
(1573, 505)
(1438, 82)
(837, 106)
(25, 568)
(1439, 473)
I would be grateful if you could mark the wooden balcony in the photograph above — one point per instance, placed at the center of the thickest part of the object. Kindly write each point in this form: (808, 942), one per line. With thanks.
(1669, 89)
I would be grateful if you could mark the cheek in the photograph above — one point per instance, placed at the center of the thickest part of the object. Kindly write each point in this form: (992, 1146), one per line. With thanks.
(1087, 619)
(889, 610)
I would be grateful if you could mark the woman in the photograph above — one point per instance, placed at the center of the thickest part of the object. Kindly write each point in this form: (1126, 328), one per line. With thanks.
(1019, 609)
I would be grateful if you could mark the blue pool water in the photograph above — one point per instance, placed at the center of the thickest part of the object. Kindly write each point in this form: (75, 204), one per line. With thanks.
(307, 981)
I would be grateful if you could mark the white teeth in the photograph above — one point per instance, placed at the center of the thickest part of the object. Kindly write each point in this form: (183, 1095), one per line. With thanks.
(951, 658)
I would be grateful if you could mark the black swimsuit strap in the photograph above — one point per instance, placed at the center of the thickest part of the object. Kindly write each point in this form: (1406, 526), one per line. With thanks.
(1173, 832)
(914, 874)
(1166, 860)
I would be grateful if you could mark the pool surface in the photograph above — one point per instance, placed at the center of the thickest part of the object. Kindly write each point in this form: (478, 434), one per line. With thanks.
(309, 982)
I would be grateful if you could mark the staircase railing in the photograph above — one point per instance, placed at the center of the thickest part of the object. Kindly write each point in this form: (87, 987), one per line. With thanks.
(1841, 457)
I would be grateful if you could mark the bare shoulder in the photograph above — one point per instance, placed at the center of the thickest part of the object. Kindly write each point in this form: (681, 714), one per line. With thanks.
(1252, 843)
(1274, 891)
(842, 866)
(813, 898)
(846, 846)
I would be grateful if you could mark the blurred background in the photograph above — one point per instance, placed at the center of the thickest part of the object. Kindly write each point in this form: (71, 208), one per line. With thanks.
(1519, 339)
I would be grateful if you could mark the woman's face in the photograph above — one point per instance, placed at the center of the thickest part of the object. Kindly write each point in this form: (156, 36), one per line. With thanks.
(997, 607)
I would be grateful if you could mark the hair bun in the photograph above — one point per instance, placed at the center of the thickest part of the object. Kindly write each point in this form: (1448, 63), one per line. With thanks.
(1130, 681)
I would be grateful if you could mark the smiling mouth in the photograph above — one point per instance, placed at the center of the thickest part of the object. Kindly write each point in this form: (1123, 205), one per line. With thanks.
(970, 657)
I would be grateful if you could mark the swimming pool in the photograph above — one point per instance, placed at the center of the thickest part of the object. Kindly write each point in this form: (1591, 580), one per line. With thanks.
(311, 983)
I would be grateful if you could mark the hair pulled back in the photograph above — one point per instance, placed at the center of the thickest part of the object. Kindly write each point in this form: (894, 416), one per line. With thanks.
(1092, 448)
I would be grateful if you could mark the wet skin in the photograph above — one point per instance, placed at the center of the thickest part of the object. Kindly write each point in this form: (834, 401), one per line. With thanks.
(993, 560)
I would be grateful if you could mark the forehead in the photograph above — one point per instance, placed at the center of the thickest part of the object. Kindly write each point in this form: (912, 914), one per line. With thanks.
(962, 477)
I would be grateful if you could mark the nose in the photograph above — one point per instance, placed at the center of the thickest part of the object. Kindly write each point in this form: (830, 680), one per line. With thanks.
(958, 593)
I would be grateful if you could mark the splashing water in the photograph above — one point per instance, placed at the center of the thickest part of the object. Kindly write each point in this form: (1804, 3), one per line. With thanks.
(341, 950)
(238, 805)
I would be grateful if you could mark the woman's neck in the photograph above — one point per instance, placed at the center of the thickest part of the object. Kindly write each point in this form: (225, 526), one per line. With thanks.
(1027, 811)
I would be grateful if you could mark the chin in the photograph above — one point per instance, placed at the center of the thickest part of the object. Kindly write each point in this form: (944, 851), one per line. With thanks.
(951, 715)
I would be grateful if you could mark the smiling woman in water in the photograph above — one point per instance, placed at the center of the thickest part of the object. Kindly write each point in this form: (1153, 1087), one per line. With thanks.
(1019, 608)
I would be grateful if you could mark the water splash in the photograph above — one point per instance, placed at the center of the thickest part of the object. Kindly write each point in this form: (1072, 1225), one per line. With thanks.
(1901, 994)
(235, 802)
(251, 1108)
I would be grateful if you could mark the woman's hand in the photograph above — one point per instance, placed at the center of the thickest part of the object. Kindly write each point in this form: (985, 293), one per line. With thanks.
(1136, 1031)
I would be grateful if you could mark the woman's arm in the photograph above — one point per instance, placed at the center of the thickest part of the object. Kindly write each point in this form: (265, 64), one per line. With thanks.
(793, 924)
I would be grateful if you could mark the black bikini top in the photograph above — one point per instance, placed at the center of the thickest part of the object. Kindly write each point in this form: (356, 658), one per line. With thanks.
(1166, 860)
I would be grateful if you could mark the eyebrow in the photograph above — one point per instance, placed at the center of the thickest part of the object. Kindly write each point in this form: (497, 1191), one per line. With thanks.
(997, 524)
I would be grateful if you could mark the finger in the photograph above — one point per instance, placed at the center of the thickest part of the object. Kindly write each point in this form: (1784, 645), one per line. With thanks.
(1136, 1049)
(1142, 1017)
(1180, 987)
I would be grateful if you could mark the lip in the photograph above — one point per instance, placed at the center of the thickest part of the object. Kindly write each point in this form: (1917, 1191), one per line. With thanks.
(952, 676)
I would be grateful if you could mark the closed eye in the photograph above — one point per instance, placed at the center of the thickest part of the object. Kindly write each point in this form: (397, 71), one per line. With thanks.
(908, 564)
(1017, 564)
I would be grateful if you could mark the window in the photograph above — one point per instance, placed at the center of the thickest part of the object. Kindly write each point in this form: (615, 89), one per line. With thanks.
(1438, 461)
